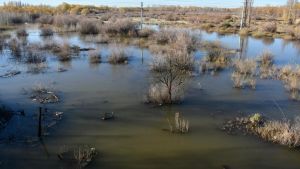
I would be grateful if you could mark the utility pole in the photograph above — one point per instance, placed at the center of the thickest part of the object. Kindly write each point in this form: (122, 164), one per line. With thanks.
(246, 13)
(142, 15)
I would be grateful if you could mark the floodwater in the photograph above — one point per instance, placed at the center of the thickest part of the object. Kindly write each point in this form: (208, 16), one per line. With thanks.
(136, 139)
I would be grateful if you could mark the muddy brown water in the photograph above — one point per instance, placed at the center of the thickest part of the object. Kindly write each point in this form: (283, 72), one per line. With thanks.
(135, 139)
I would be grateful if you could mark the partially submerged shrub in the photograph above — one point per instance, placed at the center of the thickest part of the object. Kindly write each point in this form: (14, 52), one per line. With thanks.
(291, 79)
(266, 66)
(244, 73)
(88, 27)
(15, 47)
(78, 156)
(178, 124)
(281, 132)
(170, 71)
(118, 55)
(285, 133)
(22, 33)
(42, 94)
(46, 32)
(216, 59)
(95, 57)
(34, 55)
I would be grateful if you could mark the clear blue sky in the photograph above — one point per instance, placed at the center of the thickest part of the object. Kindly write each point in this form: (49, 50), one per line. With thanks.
(209, 3)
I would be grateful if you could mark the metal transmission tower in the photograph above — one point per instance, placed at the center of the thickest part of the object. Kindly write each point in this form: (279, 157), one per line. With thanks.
(291, 14)
(246, 13)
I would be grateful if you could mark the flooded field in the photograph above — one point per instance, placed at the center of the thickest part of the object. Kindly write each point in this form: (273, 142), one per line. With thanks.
(137, 138)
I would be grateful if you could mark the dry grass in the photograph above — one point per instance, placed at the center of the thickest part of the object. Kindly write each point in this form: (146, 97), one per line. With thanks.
(244, 73)
(34, 55)
(266, 66)
(281, 132)
(88, 27)
(123, 26)
(291, 79)
(118, 55)
(216, 59)
(178, 124)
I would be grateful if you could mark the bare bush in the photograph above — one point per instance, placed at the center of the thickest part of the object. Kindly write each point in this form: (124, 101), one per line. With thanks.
(43, 94)
(8, 18)
(164, 36)
(95, 57)
(270, 27)
(177, 124)
(216, 59)
(267, 68)
(80, 156)
(244, 73)
(46, 31)
(21, 33)
(122, 26)
(15, 47)
(291, 79)
(65, 21)
(118, 55)
(88, 27)
(146, 32)
(281, 132)
(170, 74)
(34, 55)
(45, 19)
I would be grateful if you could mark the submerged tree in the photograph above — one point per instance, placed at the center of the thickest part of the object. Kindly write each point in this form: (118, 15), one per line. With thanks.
(170, 71)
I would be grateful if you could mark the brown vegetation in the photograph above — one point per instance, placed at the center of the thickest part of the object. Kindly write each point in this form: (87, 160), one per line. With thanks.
(244, 73)
(118, 55)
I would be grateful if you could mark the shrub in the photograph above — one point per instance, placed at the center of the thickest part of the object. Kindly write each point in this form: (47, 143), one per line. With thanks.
(267, 68)
(122, 26)
(270, 27)
(291, 78)
(67, 22)
(146, 32)
(281, 132)
(21, 33)
(34, 55)
(88, 27)
(45, 19)
(244, 73)
(216, 59)
(244, 32)
(46, 32)
(118, 55)
(164, 36)
(15, 47)
(178, 124)
(95, 57)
